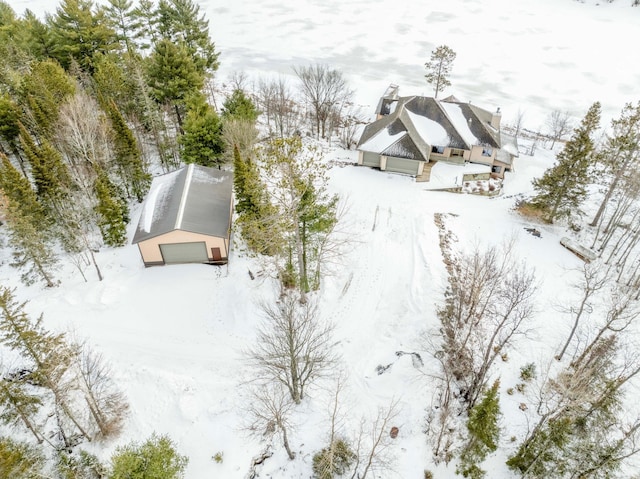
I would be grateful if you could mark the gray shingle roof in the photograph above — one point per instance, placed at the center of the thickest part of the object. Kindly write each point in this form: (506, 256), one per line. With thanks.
(462, 125)
(194, 198)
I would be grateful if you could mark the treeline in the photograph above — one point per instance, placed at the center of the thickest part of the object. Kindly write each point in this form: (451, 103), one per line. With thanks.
(89, 98)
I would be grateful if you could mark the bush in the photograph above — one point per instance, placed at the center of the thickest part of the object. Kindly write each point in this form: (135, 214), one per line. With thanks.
(333, 460)
(19, 460)
(80, 466)
(154, 459)
(528, 372)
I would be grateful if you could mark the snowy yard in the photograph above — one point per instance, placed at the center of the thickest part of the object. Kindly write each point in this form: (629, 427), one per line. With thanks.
(176, 336)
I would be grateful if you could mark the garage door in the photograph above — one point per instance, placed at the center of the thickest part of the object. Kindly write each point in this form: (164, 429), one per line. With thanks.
(402, 165)
(184, 252)
(370, 159)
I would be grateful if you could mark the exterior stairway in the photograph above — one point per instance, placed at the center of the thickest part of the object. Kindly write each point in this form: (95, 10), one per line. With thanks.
(426, 172)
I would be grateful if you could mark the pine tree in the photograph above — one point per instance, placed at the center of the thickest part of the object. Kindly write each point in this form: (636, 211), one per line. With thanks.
(40, 43)
(173, 76)
(484, 433)
(10, 116)
(79, 32)
(306, 214)
(131, 168)
(32, 252)
(439, 67)
(239, 106)
(202, 141)
(19, 405)
(180, 21)
(620, 152)
(50, 173)
(147, 21)
(113, 82)
(18, 190)
(563, 187)
(43, 90)
(255, 213)
(112, 210)
(119, 14)
(20, 460)
(49, 356)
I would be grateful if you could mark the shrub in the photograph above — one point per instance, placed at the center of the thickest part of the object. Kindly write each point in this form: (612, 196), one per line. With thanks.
(333, 460)
(156, 458)
(81, 465)
(528, 372)
(218, 456)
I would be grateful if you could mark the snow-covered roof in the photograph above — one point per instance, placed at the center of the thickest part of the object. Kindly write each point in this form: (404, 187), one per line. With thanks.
(194, 198)
(460, 123)
(430, 122)
(381, 141)
(431, 131)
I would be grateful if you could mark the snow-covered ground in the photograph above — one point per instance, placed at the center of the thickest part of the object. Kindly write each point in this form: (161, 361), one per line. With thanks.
(175, 336)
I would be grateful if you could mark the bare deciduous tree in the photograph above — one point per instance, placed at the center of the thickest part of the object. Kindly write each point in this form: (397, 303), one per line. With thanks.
(326, 91)
(106, 404)
(593, 280)
(350, 122)
(373, 444)
(559, 124)
(270, 408)
(579, 426)
(293, 346)
(488, 301)
(83, 135)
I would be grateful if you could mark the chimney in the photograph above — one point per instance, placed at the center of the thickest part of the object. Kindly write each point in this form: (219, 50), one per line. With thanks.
(495, 119)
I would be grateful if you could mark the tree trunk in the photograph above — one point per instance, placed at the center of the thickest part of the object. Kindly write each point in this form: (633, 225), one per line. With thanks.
(285, 442)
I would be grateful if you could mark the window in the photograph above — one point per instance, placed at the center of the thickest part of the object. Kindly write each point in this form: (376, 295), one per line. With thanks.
(487, 151)
(457, 152)
(496, 169)
(437, 149)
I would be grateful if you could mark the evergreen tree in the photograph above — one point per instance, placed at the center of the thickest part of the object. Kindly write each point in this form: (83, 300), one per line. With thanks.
(484, 432)
(202, 141)
(19, 460)
(112, 210)
(179, 21)
(439, 67)
(10, 116)
(173, 76)
(113, 82)
(156, 458)
(79, 32)
(146, 20)
(43, 90)
(621, 153)
(20, 405)
(240, 106)
(40, 43)
(32, 252)
(127, 156)
(18, 189)
(50, 358)
(121, 18)
(50, 173)
(252, 205)
(562, 188)
(306, 214)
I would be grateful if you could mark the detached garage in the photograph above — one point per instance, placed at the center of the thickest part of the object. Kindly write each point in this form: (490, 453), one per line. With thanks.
(186, 217)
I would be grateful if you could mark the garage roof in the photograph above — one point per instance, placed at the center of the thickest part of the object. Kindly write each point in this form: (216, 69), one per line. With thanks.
(194, 198)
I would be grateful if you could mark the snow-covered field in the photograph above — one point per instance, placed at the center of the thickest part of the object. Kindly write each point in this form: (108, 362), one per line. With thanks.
(175, 335)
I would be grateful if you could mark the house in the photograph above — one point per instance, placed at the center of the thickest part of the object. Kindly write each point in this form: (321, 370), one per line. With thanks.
(186, 217)
(412, 133)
